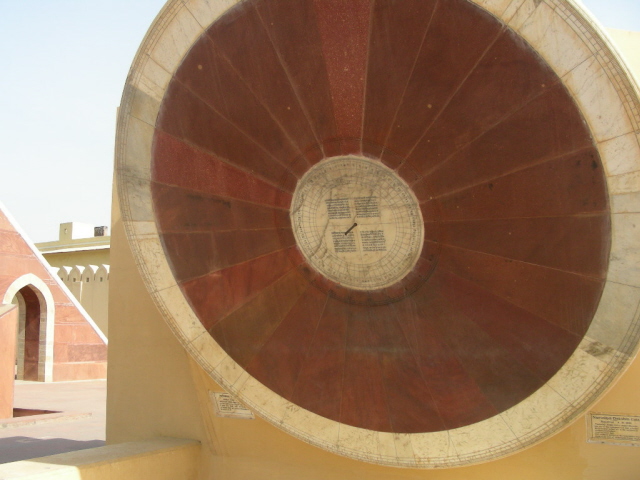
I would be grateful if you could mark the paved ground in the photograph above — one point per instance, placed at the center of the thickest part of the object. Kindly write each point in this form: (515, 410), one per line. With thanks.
(63, 435)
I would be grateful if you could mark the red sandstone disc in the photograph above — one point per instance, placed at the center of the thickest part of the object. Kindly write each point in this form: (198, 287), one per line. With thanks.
(392, 215)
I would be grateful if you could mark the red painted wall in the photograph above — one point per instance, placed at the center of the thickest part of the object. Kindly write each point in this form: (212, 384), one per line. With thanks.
(8, 327)
(79, 351)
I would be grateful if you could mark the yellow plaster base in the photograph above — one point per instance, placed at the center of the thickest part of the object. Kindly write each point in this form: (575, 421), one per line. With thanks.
(160, 459)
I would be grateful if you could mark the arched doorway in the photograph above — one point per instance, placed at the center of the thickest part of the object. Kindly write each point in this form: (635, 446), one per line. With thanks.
(34, 352)
(28, 351)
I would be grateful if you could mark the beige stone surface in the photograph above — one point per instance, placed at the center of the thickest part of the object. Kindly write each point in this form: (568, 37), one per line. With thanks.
(552, 37)
(621, 154)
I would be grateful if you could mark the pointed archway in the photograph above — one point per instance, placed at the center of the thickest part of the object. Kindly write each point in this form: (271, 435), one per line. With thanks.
(35, 327)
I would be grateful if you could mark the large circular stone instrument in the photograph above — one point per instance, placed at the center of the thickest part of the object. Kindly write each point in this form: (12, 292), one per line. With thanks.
(404, 232)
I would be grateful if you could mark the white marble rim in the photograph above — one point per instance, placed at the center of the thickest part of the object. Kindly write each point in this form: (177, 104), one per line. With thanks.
(608, 97)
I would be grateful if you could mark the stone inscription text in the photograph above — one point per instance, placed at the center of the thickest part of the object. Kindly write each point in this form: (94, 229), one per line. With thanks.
(338, 208)
(367, 207)
(343, 243)
(227, 406)
(614, 429)
(373, 241)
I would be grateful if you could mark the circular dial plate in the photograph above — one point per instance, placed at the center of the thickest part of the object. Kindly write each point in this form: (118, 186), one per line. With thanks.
(357, 222)
(488, 344)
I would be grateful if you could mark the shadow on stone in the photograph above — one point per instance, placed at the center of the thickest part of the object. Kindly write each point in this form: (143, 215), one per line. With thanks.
(27, 412)
(13, 449)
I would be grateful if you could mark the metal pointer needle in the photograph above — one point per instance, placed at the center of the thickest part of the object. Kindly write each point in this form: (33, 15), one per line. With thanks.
(352, 227)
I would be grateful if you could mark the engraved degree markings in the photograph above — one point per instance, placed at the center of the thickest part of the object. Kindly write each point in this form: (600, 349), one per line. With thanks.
(342, 193)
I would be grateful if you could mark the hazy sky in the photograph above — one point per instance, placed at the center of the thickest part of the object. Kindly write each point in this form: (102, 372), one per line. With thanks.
(64, 63)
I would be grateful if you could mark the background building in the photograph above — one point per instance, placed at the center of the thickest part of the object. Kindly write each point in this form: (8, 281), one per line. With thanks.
(80, 258)
(56, 340)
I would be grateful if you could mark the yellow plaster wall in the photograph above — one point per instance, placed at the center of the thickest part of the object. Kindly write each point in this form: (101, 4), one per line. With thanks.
(628, 44)
(84, 257)
(155, 389)
(93, 297)
(159, 459)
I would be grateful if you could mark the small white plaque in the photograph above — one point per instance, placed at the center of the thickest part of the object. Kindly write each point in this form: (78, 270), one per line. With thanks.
(227, 406)
(613, 429)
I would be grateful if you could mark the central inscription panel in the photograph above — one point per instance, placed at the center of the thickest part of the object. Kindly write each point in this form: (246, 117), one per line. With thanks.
(357, 222)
